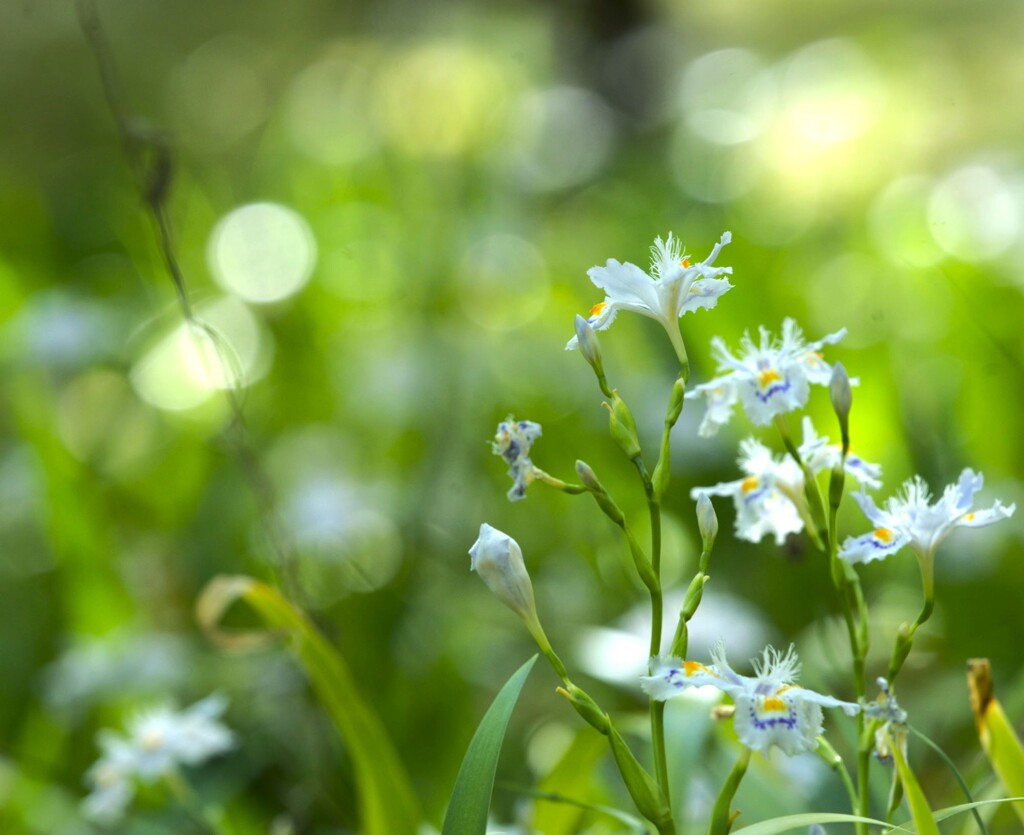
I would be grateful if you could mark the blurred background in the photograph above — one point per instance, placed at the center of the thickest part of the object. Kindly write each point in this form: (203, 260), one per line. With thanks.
(387, 211)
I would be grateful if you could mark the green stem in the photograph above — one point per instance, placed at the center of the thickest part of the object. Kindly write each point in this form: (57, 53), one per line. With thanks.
(722, 816)
(676, 337)
(209, 819)
(905, 638)
(657, 709)
(835, 762)
(812, 492)
(863, 807)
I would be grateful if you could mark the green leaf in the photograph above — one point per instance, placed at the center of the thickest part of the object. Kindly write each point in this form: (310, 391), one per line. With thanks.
(571, 777)
(471, 798)
(920, 811)
(788, 823)
(387, 802)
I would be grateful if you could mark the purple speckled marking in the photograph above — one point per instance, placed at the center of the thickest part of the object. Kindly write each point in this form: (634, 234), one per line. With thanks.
(787, 721)
(764, 397)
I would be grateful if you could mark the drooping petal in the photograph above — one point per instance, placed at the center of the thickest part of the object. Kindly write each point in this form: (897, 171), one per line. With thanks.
(720, 397)
(671, 677)
(771, 392)
(988, 516)
(876, 545)
(792, 725)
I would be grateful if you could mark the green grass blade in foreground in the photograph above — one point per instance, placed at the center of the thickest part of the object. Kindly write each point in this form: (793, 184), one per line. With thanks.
(788, 823)
(920, 811)
(387, 803)
(956, 773)
(471, 798)
(632, 823)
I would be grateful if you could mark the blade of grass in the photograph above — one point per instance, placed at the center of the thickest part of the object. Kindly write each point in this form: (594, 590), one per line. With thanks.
(471, 798)
(387, 802)
(920, 811)
(956, 773)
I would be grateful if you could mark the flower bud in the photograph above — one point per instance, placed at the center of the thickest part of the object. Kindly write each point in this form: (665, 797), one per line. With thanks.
(589, 477)
(842, 399)
(589, 345)
(707, 521)
(586, 707)
(645, 792)
(622, 427)
(836, 484)
(693, 596)
(496, 557)
(675, 402)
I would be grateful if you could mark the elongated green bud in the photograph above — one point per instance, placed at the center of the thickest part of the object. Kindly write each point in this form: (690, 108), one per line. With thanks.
(836, 483)
(586, 707)
(675, 402)
(900, 651)
(646, 793)
(604, 501)
(622, 426)
(842, 399)
(693, 596)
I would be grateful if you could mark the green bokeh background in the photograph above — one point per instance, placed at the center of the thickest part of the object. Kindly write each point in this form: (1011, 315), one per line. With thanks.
(459, 167)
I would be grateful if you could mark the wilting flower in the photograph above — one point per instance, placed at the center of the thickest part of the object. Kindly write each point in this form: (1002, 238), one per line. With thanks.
(909, 519)
(893, 730)
(770, 708)
(158, 742)
(512, 442)
(770, 497)
(769, 378)
(673, 287)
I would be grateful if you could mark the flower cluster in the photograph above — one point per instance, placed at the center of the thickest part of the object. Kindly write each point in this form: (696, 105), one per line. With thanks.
(769, 378)
(673, 287)
(512, 442)
(770, 496)
(770, 708)
(910, 519)
(158, 742)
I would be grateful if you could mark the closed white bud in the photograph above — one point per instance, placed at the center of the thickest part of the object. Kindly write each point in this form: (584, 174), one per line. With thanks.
(497, 558)
(842, 398)
(707, 520)
(588, 344)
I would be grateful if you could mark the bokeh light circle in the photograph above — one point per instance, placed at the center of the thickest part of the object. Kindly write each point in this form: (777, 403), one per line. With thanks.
(262, 252)
(974, 214)
(503, 282)
(562, 136)
(727, 96)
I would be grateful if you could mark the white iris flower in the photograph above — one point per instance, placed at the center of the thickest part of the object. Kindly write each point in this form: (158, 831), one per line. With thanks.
(910, 519)
(158, 742)
(770, 497)
(770, 708)
(673, 287)
(770, 378)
